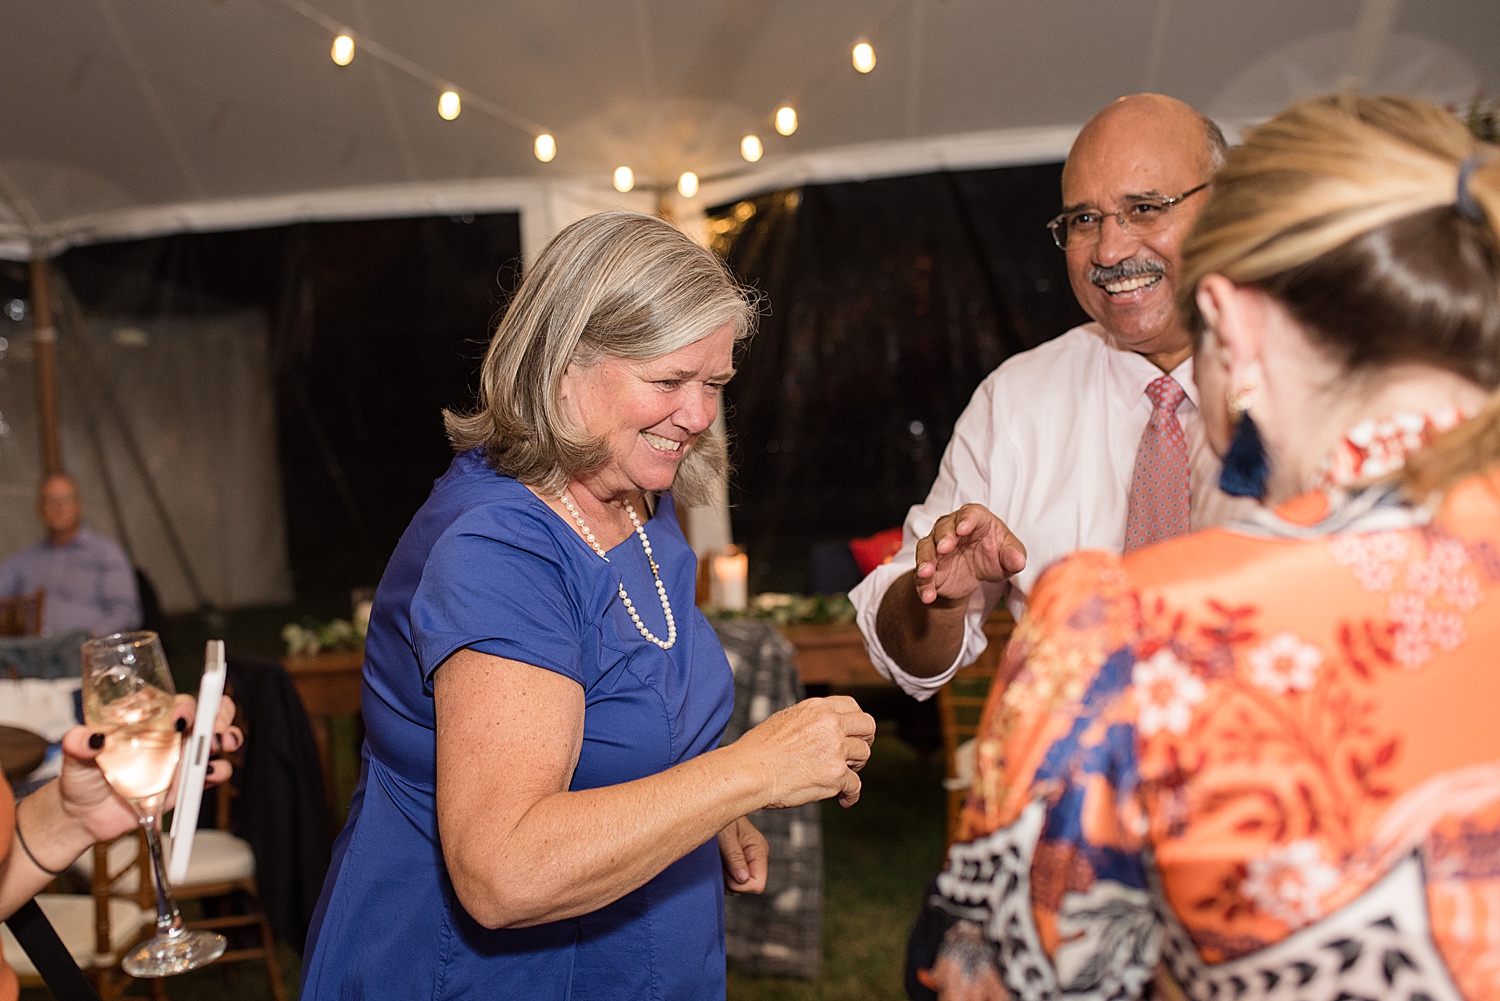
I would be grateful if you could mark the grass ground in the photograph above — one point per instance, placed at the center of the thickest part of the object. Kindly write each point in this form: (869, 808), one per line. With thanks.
(877, 858)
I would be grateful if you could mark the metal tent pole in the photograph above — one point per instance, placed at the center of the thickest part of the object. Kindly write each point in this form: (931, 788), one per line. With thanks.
(44, 341)
(104, 394)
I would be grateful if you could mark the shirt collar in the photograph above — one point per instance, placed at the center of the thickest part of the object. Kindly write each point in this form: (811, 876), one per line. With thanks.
(77, 540)
(1184, 375)
(1131, 373)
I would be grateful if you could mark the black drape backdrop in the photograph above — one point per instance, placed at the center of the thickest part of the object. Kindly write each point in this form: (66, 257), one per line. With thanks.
(375, 327)
(886, 303)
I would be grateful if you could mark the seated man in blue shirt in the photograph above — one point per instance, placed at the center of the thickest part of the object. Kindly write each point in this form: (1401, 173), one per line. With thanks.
(89, 582)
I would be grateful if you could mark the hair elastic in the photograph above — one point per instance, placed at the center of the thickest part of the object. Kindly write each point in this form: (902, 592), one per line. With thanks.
(1464, 201)
(27, 849)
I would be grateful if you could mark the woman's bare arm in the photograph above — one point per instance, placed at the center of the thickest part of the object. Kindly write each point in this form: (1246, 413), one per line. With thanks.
(62, 819)
(522, 850)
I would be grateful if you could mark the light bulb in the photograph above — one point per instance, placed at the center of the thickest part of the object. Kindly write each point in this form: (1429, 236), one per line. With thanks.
(751, 148)
(624, 179)
(546, 148)
(786, 120)
(687, 184)
(448, 105)
(864, 57)
(343, 50)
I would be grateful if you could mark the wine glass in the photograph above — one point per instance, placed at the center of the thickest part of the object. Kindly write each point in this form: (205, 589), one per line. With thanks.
(127, 692)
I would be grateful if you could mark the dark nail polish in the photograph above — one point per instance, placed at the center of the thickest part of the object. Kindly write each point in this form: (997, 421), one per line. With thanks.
(181, 724)
(218, 742)
(96, 740)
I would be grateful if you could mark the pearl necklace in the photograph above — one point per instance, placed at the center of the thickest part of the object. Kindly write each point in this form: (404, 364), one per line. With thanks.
(661, 589)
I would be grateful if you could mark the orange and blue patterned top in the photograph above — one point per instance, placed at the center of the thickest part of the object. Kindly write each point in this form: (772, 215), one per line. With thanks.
(1258, 762)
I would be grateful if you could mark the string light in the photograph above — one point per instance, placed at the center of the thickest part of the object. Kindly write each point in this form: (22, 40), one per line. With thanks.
(544, 144)
(687, 184)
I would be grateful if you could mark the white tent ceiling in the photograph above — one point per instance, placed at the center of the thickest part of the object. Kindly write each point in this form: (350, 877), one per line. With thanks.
(128, 117)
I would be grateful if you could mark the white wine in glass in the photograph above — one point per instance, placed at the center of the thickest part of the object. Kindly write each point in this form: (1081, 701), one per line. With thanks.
(127, 692)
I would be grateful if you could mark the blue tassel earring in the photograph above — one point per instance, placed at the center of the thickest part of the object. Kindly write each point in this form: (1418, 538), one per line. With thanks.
(1245, 465)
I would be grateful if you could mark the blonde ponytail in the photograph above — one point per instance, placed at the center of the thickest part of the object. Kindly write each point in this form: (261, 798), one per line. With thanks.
(1474, 445)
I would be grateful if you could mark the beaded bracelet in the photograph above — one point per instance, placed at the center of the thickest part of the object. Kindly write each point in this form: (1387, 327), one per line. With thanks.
(27, 850)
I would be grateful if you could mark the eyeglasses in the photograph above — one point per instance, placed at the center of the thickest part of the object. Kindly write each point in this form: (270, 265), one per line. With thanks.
(1141, 216)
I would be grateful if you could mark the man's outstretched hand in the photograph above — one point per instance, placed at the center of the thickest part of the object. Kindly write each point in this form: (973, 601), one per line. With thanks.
(921, 626)
(965, 549)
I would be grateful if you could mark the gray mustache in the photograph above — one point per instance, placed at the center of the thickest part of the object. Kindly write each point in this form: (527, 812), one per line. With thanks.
(1128, 268)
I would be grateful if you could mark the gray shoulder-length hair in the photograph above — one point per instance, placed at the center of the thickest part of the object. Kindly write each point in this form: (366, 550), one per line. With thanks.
(616, 284)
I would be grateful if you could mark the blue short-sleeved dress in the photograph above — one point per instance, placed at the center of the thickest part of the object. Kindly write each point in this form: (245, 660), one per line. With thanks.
(486, 565)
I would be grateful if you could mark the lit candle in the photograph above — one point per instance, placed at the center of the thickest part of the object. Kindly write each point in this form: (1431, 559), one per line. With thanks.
(731, 572)
(362, 616)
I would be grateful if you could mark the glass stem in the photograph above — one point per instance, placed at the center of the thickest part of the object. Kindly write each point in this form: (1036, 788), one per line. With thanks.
(168, 920)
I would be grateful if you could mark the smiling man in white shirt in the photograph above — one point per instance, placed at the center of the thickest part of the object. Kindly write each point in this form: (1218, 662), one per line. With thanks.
(1090, 441)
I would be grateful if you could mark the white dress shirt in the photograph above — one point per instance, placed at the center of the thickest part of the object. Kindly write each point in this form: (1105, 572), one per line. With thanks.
(1048, 444)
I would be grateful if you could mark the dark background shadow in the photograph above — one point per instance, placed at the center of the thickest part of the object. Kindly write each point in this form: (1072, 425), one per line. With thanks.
(374, 328)
(886, 303)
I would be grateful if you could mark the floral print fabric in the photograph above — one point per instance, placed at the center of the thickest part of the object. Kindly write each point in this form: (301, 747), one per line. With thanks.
(1239, 735)
(1375, 448)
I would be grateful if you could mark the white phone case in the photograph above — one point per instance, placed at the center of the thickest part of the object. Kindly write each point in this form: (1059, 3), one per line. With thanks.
(195, 762)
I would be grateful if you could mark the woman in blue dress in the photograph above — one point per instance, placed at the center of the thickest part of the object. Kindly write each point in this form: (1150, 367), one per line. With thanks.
(543, 809)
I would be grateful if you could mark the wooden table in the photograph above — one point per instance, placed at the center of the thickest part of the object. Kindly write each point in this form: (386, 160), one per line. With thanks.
(329, 683)
(329, 686)
(832, 654)
(21, 752)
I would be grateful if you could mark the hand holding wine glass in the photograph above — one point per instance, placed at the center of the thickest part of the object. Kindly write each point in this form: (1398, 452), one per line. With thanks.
(87, 799)
(129, 695)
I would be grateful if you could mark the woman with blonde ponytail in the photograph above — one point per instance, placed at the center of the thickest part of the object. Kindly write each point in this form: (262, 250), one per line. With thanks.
(1263, 761)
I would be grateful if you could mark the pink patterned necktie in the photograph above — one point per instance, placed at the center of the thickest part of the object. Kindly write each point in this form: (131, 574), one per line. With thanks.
(1158, 507)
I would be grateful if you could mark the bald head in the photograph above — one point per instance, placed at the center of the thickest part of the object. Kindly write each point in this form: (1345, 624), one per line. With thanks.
(1149, 119)
(59, 509)
(1146, 148)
